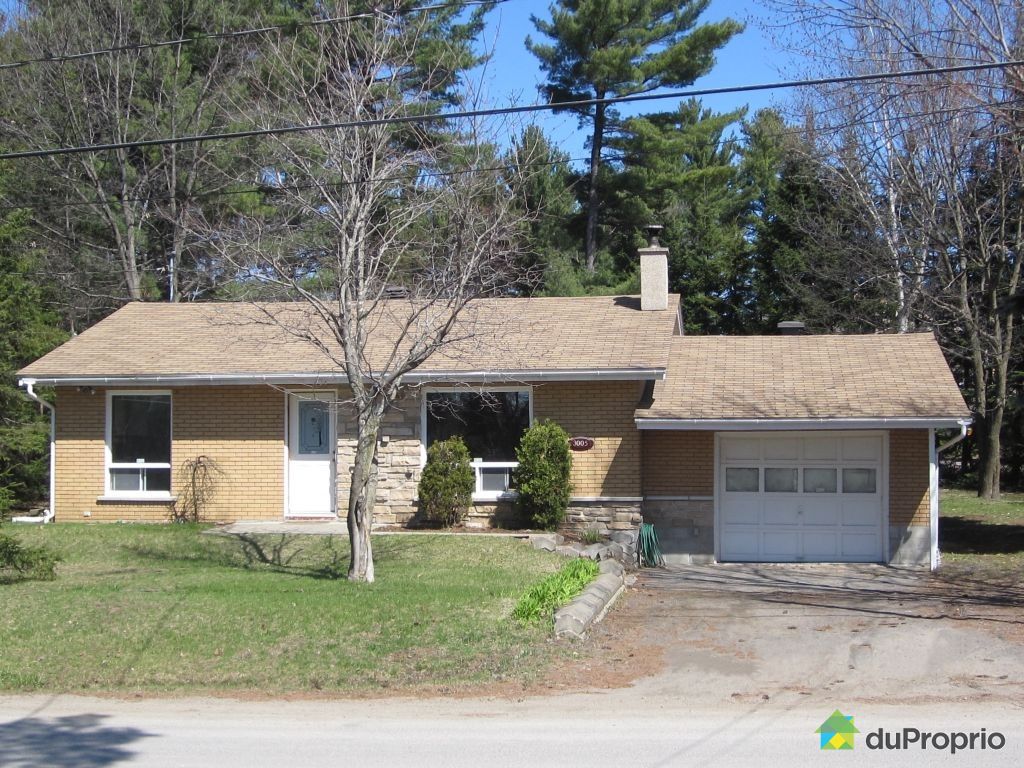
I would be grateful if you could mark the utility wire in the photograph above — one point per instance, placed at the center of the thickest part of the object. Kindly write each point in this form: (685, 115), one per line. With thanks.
(499, 111)
(234, 34)
(722, 142)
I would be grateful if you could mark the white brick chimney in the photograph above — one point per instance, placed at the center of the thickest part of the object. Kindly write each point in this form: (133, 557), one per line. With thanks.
(653, 272)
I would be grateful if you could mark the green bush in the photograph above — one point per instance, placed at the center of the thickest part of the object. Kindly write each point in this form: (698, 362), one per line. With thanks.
(21, 563)
(447, 483)
(542, 478)
(555, 590)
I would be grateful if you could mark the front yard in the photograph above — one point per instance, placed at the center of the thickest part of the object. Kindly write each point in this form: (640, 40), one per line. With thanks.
(982, 538)
(154, 608)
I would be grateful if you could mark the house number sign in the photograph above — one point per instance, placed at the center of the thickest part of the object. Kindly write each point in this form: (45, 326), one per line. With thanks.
(581, 443)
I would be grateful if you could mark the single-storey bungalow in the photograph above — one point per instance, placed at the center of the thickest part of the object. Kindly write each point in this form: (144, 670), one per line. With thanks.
(770, 448)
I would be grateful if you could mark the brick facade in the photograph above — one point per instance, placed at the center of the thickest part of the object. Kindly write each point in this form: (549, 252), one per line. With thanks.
(678, 463)
(908, 477)
(240, 428)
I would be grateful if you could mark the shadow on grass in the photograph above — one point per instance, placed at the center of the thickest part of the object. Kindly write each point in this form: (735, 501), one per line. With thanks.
(302, 555)
(964, 535)
(79, 740)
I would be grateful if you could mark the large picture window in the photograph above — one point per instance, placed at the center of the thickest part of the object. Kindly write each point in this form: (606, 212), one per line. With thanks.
(490, 423)
(139, 443)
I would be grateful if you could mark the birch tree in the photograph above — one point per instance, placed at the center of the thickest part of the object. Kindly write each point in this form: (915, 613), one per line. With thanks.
(936, 164)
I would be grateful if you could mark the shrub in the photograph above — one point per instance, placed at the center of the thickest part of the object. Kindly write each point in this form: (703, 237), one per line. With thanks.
(542, 478)
(447, 483)
(21, 563)
(555, 590)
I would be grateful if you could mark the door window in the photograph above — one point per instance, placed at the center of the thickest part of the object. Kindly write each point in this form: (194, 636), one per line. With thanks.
(314, 428)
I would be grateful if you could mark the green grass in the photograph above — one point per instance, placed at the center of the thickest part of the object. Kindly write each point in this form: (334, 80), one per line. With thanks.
(164, 608)
(557, 589)
(980, 537)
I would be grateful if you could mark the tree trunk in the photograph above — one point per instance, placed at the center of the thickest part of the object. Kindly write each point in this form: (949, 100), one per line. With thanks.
(593, 199)
(362, 496)
(989, 460)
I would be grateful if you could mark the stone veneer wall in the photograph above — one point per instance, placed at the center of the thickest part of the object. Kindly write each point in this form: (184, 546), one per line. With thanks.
(606, 479)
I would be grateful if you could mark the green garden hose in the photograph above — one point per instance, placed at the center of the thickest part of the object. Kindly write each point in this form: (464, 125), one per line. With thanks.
(648, 553)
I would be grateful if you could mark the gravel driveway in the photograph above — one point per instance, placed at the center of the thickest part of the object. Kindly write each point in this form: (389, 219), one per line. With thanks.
(803, 633)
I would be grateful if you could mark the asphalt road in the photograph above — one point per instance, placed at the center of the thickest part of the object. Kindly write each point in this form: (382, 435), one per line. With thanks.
(617, 728)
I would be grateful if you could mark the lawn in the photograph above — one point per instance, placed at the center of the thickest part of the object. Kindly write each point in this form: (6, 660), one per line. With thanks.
(982, 538)
(163, 608)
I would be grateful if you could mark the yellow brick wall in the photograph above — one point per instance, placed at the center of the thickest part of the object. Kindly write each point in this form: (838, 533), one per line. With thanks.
(908, 477)
(678, 463)
(604, 411)
(240, 428)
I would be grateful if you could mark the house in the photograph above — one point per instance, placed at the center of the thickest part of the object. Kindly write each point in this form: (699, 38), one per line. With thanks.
(773, 448)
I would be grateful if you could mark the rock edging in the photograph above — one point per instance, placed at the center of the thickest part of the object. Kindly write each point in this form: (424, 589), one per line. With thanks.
(575, 617)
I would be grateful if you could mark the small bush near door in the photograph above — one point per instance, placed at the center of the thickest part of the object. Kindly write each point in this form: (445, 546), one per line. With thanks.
(447, 483)
(542, 477)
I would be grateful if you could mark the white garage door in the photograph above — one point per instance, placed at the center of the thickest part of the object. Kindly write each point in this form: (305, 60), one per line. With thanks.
(800, 497)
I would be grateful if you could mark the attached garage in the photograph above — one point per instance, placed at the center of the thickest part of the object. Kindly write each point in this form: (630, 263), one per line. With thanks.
(801, 497)
(798, 448)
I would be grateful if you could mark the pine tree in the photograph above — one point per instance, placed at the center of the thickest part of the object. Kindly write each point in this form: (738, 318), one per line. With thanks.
(606, 48)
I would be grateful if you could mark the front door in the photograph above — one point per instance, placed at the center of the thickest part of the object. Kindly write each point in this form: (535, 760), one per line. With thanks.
(310, 455)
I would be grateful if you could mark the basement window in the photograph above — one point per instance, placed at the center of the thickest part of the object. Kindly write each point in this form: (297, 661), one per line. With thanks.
(138, 444)
(491, 423)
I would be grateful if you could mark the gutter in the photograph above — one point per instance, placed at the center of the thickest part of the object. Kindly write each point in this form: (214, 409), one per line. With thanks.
(318, 379)
(964, 424)
(735, 425)
(49, 514)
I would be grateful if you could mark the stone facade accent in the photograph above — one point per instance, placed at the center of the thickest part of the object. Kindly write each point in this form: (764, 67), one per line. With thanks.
(685, 528)
(240, 428)
(605, 517)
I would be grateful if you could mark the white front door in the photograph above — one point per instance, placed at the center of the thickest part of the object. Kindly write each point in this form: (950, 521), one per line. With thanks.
(801, 497)
(311, 446)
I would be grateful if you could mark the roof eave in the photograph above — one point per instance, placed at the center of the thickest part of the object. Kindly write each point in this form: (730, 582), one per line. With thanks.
(773, 424)
(415, 377)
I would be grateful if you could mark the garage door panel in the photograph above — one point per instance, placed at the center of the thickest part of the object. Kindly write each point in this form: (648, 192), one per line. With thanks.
(741, 511)
(828, 517)
(741, 544)
(861, 513)
(780, 545)
(861, 448)
(781, 511)
(740, 449)
(819, 512)
(861, 547)
(820, 545)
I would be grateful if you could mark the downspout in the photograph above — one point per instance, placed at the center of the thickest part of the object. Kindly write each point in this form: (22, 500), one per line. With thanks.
(47, 517)
(933, 487)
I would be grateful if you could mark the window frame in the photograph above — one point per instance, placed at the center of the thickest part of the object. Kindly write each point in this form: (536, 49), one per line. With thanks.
(109, 464)
(478, 493)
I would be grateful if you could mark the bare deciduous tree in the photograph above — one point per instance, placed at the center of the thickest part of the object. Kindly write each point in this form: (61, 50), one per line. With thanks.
(936, 164)
(385, 233)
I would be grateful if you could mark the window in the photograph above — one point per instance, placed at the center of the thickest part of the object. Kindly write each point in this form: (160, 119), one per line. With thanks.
(780, 480)
(820, 480)
(490, 423)
(139, 443)
(742, 479)
(314, 428)
(858, 481)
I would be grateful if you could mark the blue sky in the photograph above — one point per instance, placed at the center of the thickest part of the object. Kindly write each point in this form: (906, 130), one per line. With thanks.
(513, 75)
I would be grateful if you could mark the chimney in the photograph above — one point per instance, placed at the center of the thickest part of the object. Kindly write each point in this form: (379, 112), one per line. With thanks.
(791, 328)
(653, 272)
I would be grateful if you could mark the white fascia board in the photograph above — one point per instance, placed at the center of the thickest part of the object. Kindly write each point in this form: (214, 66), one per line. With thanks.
(416, 377)
(570, 374)
(738, 425)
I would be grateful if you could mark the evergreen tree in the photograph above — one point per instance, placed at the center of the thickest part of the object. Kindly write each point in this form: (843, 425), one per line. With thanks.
(607, 48)
(28, 329)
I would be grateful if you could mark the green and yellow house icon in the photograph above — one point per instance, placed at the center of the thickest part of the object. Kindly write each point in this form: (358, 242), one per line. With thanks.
(837, 732)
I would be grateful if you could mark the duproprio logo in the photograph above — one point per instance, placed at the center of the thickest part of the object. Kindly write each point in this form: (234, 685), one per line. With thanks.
(837, 732)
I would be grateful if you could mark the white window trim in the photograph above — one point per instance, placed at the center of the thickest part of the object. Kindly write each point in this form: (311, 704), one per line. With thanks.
(478, 493)
(109, 494)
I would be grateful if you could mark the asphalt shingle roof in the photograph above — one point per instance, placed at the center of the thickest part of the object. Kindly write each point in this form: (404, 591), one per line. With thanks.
(806, 377)
(149, 339)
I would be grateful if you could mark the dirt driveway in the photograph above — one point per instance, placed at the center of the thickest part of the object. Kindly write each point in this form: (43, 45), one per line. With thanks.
(801, 633)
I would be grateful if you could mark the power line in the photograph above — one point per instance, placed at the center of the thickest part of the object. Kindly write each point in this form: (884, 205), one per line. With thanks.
(277, 188)
(500, 111)
(234, 34)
